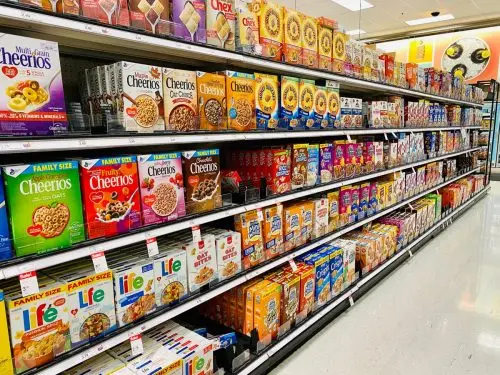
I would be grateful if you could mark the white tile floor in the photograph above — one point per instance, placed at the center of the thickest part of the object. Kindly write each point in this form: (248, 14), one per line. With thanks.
(438, 314)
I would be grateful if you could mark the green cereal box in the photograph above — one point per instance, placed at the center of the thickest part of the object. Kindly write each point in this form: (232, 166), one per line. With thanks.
(45, 206)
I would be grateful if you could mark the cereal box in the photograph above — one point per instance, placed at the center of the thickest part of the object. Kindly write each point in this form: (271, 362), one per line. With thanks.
(162, 187)
(221, 23)
(364, 199)
(292, 47)
(355, 202)
(151, 16)
(320, 109)
(241, 304)
(346, 117)
(228, 245)
(247, 26)
(280, 171)
(271, 30)
(325, 43)
(289, 103)
(299, 165)
(333, 211)
(333, 104)
(307, 215)
(307, 90)
(170, 272)
(273, 231)
(110, 195)
(320, 217)
(292, 227)
(39, 326)
(345, 205)
(325, 162)
(6, 362)
(5, 239)
(266, 101)
(249, 224)
(202, 180)
(336, 270)
(267, 310)
(201, 262)
(290, 295)
(180, 100)
(248, 321)
(240, 96)
(32, 99)
(339, 160)
(111, 13)
(44, 202)
(338, 51)
(211, 92)
(134, 291)
(350, 159)
(309, 41)
(307, 287)
(313, 157)
(189, 18)
(321, 264)
(368, 157)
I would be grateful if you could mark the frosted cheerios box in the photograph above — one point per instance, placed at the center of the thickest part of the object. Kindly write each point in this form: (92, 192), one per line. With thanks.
(31, 88)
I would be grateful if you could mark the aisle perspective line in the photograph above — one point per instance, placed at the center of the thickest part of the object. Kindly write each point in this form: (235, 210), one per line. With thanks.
(65, 256)
(315, 318)
(173, 312)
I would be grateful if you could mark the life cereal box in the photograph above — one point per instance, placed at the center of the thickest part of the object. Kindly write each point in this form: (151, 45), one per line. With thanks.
(240, 96)
(267, 310)
(32, 99)
(325, 43)
(162, 187)
(271, 30)
(211, 101)
(273, 231)
(266, 101)
(228, 245)
(289, 104)
(309, 41)
(44, 202)
(249, 225)
(110, 192)
(221, 23)
(6, 362)
(170, 277)
(292, 47)
(292, 227)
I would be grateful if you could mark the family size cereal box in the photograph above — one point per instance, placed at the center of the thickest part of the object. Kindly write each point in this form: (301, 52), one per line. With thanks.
(240, 96)
(44, 202)
(313, 158)
(320, 217)
(202, 180)
(333, 211)
(267, 310)
(325, 162)
(339, 51)
(299, 165)
(345, 205)
(5, 239)
(307, 90)
(336, 270)
(211, 101)
(290, 295)
(248, 320)
(289, 104)
(306, 294)
(266, 101)
(325, 42)
(180, 100)
(309, 41)
(170, 277)
(162, 187)
(307, 215)
(273, 231)
(201, 262)
(249, 225)
(221, 23)
(228, 245)
(151, 16)
(292, 227)
(32, 99)
(247, 26)
(271, 30)
(339, 160)
(189, 18)
(110, 193)
(292, 47)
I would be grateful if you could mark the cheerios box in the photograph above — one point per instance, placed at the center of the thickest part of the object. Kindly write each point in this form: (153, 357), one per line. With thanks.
(45, 206)
(266, 101)
(240, 99)
(271, 29)
(307, 92)
(170, 271)
(5, 237)
(292, 41)
(32, 99)
(289, 103)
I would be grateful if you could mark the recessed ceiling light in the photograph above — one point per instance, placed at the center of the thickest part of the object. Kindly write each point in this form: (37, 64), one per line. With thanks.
(421, 21)
(354, 5)
(355, 32)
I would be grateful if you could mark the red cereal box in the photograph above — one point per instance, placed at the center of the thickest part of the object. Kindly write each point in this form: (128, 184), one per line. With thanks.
(255, 168)
(360, 161)
(110, 195)
(368, 157)
(281, 174)
(350, 159)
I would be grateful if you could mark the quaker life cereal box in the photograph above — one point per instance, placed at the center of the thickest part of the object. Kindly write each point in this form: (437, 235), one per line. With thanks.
(249, 224)
(202, 180)
(292, 47)
(273, 231)
(170, 277)
(307, 90)
(44, 202)
(162, 187)
(228, 245)
(309, 42)
(151, 16)
(266, 101)
(110, 193)
(134, 291)
(240, 96)
(32, 99)
(271, 30)
(289, 105)
(211, 101)
(313, 157)
(333, 104)
(189, 18)
(6, 362)
(325, 162)
(247, 27)
(180, 100)
(319, 109)
(5, 240)
(221, 23)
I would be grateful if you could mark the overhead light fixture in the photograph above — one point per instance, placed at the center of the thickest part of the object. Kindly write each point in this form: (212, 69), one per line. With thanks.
(421, 21)
(355, 32)
(354, 5)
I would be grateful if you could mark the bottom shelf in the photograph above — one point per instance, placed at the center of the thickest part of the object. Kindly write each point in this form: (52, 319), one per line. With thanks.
(267, 359)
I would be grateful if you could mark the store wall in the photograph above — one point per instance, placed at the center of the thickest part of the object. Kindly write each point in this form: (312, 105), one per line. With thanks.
(431, 51)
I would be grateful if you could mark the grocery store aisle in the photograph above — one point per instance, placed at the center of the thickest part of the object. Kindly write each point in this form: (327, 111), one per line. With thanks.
(438, 314)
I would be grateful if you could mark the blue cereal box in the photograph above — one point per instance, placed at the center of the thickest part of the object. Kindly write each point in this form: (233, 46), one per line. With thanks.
(307, 90)
(321, 264)
(312, 165)
(5, 244)
(289, 104)
(320, 115)
(335, 260)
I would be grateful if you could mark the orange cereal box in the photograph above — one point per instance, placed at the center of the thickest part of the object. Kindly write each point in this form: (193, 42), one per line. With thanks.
(292, 227)
(333, 211)
(211, 101)
(306, 291)
(325, 42)
(240, 100)
(292, 47)
(309, 42)
(271, 30)
(249, 323)
(273, 231)
(307, 209)
(249, 224)
(290, 294)
(266, 314)
(339, 51)
(241, 295)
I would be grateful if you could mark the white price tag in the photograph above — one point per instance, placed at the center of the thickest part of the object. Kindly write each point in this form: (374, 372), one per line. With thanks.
(385, 136)
(152, 246)
(29, 283)
(99, 260)
(348, 137)
(351, 301)
(136, 344)
(411, 254)
(196, 233)
(260, 216)
(293, 265)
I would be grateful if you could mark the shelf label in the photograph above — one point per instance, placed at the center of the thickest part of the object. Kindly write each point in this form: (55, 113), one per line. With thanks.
(196, 233)
(293, 265)
(29, 283)
(260, 216)
(385, 136)
(152, 246)
(136, 344)
(351, 301)
(348, 137)
(99, 260)
(411, 254)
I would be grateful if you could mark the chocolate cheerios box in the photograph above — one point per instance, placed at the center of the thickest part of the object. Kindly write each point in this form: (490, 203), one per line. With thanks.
(180, 100)
(45, 206)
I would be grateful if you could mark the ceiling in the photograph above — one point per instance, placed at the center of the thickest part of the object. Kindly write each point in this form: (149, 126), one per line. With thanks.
(387, 17)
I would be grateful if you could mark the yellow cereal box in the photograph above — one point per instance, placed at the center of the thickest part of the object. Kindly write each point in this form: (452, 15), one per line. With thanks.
(240, 96)
(292, 227)
(248, 323)
(273, 231)
(271, 30)
(289, 103)
(338, 52)
(249, 224)
(307, 209)
(241, 294)
(267, 310)
(325, 42)
(211, 101)
(292, 47)
(309, 42)
(307, 91)
(266, 101)
(5, 353)
(333, 210)
(290, 294)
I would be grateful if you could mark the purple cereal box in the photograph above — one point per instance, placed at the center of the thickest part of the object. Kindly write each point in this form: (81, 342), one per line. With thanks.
(326, 162)
(161, 184)
(189, 18)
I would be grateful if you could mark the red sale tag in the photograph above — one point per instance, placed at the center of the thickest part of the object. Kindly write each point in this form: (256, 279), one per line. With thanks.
(136, 344)
(152, 246)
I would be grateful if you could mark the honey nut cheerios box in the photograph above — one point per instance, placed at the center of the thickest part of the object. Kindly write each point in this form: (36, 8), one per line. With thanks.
(228, 245)
(201, 262)
(339, 51)
(221, 23)
(266, 101)
(273, 231)
(249, 224)
(44, 202)
(170, 276)
(289, 103)
(271, 29)
(307, 91)
(320, 109)
(240, 98)
(326, 27)
(211, 101)
(180, 100)
(292, 43)
(309, 41)
(110, 194)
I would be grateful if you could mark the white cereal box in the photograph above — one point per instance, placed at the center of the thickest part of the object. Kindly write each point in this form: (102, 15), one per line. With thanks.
(228, 247)
(202, 262)
(170, 271)
(320, 217)
(221, 23)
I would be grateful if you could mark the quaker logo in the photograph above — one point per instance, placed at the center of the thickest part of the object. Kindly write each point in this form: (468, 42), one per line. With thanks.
(294, 221)
(253, 229)
(275, 224)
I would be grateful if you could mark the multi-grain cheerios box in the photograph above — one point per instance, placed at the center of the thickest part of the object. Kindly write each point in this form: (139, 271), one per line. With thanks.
(180, 100)
(240, 98)
(170, 271)
(140, 95)
(201, 262)
(189, 20)
(211, 90)
(162, 187)
(5, 238)
(32, 95)
(221, 23)
(266, 101)
(45, 206)
(39, 325)
(271, 29)
(289, 103)
(110, 193)
(292, 43)
(309, 42)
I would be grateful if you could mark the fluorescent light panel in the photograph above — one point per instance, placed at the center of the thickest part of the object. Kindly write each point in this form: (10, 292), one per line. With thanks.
(354, 5)
(421, 21)
(355, 32)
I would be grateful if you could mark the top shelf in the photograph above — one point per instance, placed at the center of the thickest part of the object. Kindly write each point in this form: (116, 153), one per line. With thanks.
(83, 35)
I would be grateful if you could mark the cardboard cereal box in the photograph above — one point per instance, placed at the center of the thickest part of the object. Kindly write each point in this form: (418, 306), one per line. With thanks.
(307, 91)
(38, 194)
(325, 42)
(32, 99)
(6, 362)
(339, 160)
(273, 231)
(289, 103)
(5, 238)
(247, 26)
(211, 101)
(355, 202)
(280, 171)
(111, 13)
(189, 18)
(110, 193)
(292, 227)
(307, 209)
(350, 159)
(313, 158)
(299, 165)
(320, 217)
(241, 302)
(333, 104)
(306, 294)
(267, 310)
(249, 225)
(309, 41)
(271, 30)
(339, 51)
(248, 322)
(221, 23)
(170, 277)
(240, 96)
(201, 262)
(266, 101)
(321, 264)
(292, 46)
(180, 100)
(320, 116)
(290, 296)
(326, 162)
(152, 17)
(333, 211)
(228, 246)
(345, 205)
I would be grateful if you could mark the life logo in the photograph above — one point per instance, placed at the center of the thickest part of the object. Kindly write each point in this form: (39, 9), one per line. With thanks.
(40, 315)
(130, 282)
(199, 363)
(254, 230)
(276, 224)
(90, 297)
(170, 266)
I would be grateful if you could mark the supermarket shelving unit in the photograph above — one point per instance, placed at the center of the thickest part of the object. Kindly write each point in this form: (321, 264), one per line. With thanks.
(92, 39)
